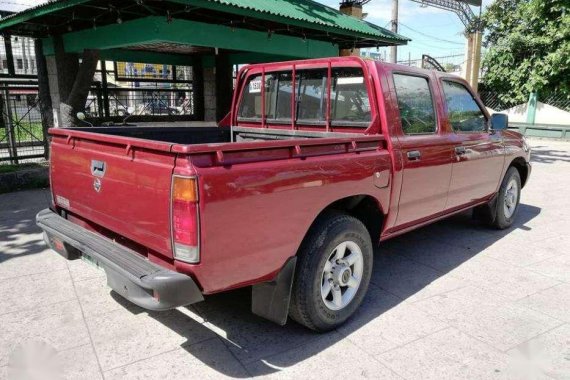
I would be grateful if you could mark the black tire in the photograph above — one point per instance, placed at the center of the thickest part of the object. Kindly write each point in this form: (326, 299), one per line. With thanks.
(307, 305)
(495, 214)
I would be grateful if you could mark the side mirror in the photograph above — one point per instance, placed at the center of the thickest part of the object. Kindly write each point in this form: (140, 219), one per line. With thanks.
(499, 122)
(80, 116)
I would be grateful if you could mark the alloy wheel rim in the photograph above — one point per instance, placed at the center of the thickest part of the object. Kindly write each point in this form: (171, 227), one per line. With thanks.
(511, 198)
(342, 275)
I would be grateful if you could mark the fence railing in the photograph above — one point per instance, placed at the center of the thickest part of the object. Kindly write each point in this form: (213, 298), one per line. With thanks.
(156, 102)
(556, 100)
(21, 134)
(495, 101)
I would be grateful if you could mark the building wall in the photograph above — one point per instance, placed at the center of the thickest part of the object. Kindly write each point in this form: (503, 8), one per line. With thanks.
(24, 56)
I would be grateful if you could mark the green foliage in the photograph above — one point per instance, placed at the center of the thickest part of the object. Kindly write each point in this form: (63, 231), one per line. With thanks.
(528, 48)
(24, 131)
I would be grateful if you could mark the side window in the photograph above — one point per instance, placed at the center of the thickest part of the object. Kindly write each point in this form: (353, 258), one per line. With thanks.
(311, 97)
(463, 111)
(416, 104)
(349, 97)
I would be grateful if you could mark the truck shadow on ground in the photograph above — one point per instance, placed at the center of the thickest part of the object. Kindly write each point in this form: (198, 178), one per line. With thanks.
(400, 272)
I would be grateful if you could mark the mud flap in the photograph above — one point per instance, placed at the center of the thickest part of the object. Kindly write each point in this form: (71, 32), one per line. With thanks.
(486, 213)
(270, 300)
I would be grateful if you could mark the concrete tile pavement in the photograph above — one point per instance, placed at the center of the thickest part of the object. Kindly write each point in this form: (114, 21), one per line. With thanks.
(452, 300)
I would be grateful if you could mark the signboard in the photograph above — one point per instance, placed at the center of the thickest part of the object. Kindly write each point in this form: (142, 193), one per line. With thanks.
(141, 71)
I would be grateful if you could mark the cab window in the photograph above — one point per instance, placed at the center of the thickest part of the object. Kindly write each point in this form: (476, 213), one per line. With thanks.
(250, 106)
(463, 111)
(349, 97)
(349, 101)
(415, 103)
(311, 96)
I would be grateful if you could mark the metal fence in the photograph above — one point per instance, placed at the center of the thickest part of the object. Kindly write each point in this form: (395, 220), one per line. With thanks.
(21, 135)
(496, 102)
(120, 91)
(150, 102)
(556, 100)
(142, 91)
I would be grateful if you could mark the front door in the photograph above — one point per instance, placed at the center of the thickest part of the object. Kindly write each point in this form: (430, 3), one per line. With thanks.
(479, 154)
(425, 148)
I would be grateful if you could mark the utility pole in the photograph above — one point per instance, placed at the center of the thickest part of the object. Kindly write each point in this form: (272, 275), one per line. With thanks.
(475, 37)
(394, 28)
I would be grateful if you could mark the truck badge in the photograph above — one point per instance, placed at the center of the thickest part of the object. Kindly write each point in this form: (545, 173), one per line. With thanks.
(97, 184)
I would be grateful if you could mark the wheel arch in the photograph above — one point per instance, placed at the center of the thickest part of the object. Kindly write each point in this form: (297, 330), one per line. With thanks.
(364, 207)
(520, 164)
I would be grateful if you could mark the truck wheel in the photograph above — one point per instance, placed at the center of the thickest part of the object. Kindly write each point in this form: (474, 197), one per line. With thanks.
(334, 266)
(508, 199)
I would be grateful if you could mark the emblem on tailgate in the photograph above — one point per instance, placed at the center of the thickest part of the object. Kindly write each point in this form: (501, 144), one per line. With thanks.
(98, 170)
(97, 184)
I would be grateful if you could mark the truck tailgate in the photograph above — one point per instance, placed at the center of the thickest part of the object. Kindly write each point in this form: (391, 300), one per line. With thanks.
(122, 184)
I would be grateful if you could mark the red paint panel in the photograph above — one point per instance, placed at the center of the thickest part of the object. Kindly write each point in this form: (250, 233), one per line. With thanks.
(254, 216)
(477, 172)
(426, 181)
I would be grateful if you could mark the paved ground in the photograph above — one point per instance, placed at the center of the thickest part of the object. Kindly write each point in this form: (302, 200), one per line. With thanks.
(453, 300)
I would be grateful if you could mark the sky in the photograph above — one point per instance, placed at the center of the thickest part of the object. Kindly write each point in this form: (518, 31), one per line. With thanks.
(433, 31)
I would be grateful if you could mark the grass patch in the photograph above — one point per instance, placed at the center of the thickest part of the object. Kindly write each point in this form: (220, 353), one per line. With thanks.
(26, 131)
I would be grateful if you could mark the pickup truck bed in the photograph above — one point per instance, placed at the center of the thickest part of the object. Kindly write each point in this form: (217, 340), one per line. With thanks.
(208, 135)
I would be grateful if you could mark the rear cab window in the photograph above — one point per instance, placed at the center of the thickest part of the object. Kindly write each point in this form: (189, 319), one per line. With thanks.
(315, 97)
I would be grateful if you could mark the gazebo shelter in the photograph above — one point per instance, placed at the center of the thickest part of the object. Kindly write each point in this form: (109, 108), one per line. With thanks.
(209, 36)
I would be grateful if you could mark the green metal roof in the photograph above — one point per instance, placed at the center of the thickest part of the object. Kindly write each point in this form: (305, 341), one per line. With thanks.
(299, 13)
(302, 10)
(37, 11)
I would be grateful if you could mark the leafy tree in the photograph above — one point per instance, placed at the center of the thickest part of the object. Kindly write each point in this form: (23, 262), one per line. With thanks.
(528, 48)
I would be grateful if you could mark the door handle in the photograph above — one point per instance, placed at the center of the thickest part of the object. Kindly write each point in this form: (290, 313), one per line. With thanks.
(414, 155)
(460, 150)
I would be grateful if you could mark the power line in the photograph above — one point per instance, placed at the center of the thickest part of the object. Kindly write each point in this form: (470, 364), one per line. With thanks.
(430, 36)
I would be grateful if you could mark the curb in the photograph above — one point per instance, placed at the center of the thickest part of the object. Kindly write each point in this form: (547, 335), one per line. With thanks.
(32, 178)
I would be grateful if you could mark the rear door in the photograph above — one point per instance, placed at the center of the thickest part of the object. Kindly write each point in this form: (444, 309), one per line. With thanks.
(479, 154)
(425, 148)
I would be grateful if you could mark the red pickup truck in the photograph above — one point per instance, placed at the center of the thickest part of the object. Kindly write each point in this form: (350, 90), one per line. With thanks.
(318, 162)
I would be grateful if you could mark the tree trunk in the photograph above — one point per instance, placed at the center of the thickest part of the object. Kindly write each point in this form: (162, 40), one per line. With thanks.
(77, 97)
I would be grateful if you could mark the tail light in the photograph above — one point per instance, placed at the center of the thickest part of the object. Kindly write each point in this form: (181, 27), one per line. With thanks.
(185, 225)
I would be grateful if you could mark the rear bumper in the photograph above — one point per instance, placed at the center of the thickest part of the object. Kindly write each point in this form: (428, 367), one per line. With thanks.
(129, 274)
